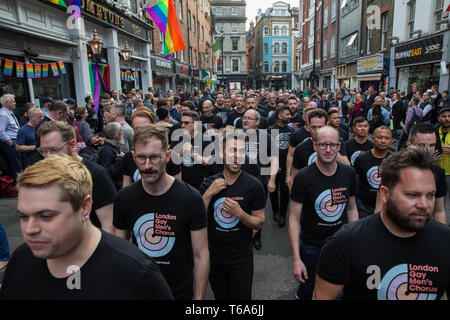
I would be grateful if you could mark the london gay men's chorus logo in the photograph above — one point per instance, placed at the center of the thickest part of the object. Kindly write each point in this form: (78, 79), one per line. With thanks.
(330, 204)
(408, 282)
(223, 219)
(373, 178)
(154, 234)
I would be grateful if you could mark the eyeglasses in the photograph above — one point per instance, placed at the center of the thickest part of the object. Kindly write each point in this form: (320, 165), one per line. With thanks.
(324, 146)
(246, 118)
(142, 159)
(44, 151)
(186, 122)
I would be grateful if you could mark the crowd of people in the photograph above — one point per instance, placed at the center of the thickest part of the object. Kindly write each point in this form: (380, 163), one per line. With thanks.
(186, 178)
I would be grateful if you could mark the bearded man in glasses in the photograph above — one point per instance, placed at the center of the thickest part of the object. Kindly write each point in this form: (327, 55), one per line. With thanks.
(166, 216)
(322, 201)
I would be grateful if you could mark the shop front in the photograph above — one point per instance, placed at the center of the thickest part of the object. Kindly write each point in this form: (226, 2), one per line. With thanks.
(419, 62)
(163, 75)
(183, 80)
(326, 78)
(346, 76)
(370, 72)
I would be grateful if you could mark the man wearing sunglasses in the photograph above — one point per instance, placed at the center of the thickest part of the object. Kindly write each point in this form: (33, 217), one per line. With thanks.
(166, 216)
(322, 201)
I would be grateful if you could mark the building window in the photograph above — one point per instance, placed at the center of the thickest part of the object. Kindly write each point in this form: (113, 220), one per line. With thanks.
(203, 33)
(411, 17)
(369, 38)
(218, 11)
(284, 48)
(180, 10)
(284, 66)
(189, 18)
(276, 67)
(235, 65)
(193, 24)
(234, 11)
(275, 31)
(350, 45)
(333, 47)
(235, 44)
(266, 30)
(234, 27)
(266, 66)
(190, 55)
(311, 54)
(325, 50)
(333, 11)
(266, 48)
(219, 27)
(161, 42)
(284, 31)
(325, 18)
(276, 48)
(384, 30)
(439, 8)
(348, 6)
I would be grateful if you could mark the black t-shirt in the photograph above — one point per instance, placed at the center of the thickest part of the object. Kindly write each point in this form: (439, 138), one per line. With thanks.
(343, 133)
(282, 141)
(115, 271)
(354, 149)
(324, 200)
(222, 113)
(233, 117)
(263, 124)
(228, 237)
(299, 136)
(367, 169)
(161, 227)
(364, 254)
(441, 185)
(103, 189)
(191, 171)
(258, 148)
(130, 169)
(305, 154)
(297, 121)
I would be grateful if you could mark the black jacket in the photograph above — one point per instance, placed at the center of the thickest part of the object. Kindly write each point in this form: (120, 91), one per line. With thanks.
(108, 158)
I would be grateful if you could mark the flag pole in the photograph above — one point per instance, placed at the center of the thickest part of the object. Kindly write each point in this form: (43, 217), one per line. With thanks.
(145, 5)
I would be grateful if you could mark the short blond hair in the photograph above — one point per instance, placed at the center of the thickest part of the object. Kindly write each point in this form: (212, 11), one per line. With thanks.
(69, 174)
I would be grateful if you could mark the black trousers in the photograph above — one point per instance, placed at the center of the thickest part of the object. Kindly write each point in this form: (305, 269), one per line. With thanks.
(232, 279)
(258, 234)
(280, 205)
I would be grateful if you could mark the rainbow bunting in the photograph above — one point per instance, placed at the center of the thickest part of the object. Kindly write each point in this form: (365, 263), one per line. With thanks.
(165, 17)
(62, 67)
(44, 70)
(30, 71)
(54, 69)
(7, 70)
(37, 70)
(19, 69)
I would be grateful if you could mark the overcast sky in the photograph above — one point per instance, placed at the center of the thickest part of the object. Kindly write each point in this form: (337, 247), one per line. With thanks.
(254, 5)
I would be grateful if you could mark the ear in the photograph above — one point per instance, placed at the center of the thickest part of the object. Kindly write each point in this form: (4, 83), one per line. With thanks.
(86, 207)
(384, 194)
(408, 144)
(168, 155)
(73, 145)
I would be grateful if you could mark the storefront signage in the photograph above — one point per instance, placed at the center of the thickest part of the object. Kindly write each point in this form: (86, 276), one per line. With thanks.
(164, 64)
(426, 50)
(370, 64)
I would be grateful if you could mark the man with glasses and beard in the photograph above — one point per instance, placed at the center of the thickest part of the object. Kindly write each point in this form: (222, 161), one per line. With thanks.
(399, 254)
(166, 217)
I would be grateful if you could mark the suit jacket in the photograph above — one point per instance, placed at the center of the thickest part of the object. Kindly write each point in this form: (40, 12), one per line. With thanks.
(344, 106)
(369, 101)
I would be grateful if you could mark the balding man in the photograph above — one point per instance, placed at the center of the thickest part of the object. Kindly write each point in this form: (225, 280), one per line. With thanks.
(26, 137)
(9, 126)
(210, 120)
(322, 201)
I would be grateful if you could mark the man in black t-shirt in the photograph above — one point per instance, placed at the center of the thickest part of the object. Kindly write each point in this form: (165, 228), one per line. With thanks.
(360, 142)
(210, 120)
(334, 120)
(282, 133)
(235, 202)
(220, 109)
(322, 201)
(166, 216)
(367, 171)
(57, 137)
(64, 255)
(237, 113)
(398, 254)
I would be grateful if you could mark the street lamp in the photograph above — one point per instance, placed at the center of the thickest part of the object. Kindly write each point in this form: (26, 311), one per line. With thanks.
(95, 44)
(126, 52)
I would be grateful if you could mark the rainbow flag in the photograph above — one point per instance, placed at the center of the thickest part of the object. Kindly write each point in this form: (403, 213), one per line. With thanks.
(164, 15)
(62, 67)
(37, 70)
(7, 69)
(19, 69)
(54, 69)
(30, 71)
(44, 70)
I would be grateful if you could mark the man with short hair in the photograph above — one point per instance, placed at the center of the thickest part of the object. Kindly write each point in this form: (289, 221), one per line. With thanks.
(235, 204)
(334, 120)
(103, 106)
(397, 254)
(360, 142)
(220, 109)
(117, 114)
(238, 112)
(443, 146)
(148, 101)
(297, 121)
(9, 126)
(342, 107)
(54, 204)
(209, 119)
(166, 216)
(57, 137)
(322, 201)
(26, 136)
(367, 168)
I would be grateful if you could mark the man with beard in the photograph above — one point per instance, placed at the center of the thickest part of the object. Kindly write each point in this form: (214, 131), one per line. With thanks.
(297, 121)
(322, 201)
(334, 120)
(252, 104)
(220, 109)
(282, 133)
(209, 119)
(444, 142)
(367, 167)
(360, 143)
(149, 210)
(397, 254)
(238, 112)
(235, 202)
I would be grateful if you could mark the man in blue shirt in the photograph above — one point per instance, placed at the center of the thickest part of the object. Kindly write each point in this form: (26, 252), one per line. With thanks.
(26, 138)
(379, 100)
(9, 126)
